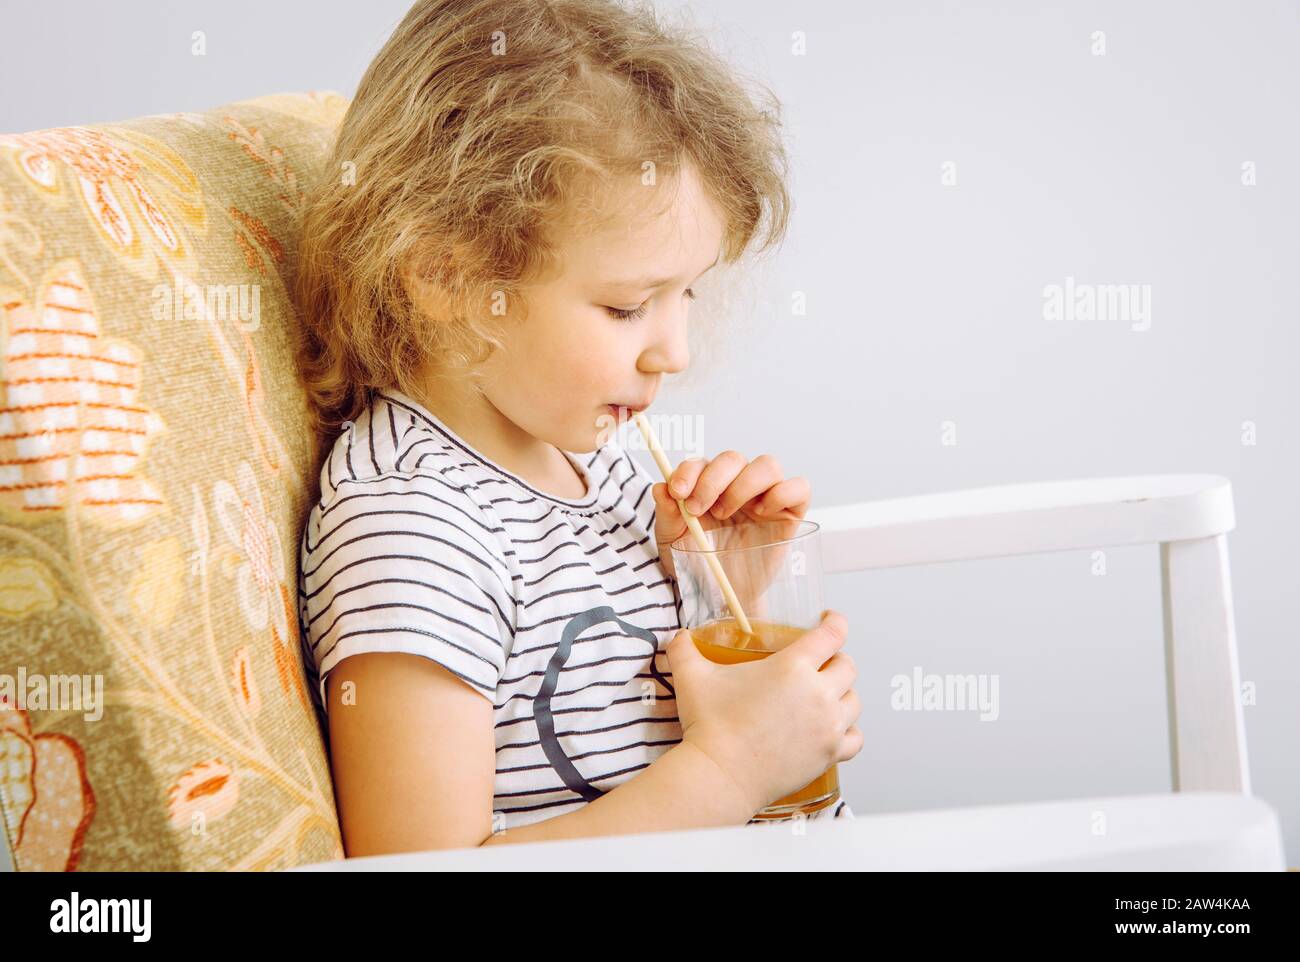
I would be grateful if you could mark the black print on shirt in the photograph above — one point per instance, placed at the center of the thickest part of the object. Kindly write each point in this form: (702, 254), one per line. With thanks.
(542, 704)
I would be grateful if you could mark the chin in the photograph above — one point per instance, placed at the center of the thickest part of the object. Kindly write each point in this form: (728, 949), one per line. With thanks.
(603, 430)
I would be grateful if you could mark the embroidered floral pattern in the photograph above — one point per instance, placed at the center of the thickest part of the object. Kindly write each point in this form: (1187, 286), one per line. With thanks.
(47, 799)
(70, 416)
(188, 617)
(113, 184)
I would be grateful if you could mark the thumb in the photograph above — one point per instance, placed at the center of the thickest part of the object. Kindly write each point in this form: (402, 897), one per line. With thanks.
(682, 651)
(669, 522)
(665, 500)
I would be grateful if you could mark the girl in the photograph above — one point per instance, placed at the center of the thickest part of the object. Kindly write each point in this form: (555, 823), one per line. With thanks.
(529, 191)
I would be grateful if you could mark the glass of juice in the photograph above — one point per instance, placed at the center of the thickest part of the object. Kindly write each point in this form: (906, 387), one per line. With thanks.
(775, 569)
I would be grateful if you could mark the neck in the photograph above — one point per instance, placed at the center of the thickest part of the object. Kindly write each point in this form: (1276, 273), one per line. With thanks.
(476, 419)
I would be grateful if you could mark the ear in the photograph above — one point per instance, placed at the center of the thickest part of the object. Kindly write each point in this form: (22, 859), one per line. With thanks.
(426, 266)
(423, 276)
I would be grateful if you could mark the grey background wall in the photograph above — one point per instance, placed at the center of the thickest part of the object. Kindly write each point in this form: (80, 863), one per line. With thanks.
(924, 305)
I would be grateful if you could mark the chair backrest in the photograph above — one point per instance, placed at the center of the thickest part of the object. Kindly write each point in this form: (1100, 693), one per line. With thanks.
(156, 473)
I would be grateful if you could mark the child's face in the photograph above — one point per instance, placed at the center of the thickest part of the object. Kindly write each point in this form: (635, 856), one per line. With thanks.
(571, 358)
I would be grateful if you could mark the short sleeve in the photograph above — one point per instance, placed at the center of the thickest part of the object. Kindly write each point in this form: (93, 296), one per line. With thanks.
(406, 563)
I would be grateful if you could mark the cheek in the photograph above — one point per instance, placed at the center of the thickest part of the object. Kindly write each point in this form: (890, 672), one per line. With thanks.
(593, 361)
(584, 352)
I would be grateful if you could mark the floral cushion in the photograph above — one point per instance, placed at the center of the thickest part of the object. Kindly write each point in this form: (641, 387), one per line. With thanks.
(155, 470)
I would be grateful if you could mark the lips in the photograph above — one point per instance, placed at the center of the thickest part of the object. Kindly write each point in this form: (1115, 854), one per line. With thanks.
(627, 410)
(622, 414)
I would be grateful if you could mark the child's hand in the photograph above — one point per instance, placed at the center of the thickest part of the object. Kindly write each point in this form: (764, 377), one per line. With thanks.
(725, 491)
(775, 724)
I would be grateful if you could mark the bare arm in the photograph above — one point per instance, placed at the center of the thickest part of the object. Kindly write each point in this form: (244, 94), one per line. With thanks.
(682, 788)
(414, 761)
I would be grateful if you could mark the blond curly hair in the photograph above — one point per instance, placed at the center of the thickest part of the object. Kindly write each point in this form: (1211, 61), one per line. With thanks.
(478, 128)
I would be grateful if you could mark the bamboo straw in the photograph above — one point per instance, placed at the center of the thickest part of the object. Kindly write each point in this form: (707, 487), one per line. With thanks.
(694, 525)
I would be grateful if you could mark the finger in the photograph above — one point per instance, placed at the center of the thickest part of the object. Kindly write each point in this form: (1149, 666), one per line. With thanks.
(755, 478)
(850, 744)
(816, 647)
(670, 527)
(713, 480)
(682, 480)
(669, 523)
(681, 650)
(665, 503)
(840, 674)
(787, 499)
(851, 706)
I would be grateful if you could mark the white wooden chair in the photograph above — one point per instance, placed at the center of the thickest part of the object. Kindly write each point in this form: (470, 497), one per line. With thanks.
(1187, 515)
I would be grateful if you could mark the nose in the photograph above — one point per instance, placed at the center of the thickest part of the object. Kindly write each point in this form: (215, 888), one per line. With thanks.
(669, 353)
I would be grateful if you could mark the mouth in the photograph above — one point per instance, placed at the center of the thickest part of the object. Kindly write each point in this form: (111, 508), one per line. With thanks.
(624, 411)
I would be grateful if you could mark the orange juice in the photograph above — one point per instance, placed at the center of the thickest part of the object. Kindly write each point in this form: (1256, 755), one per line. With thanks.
(724, 642)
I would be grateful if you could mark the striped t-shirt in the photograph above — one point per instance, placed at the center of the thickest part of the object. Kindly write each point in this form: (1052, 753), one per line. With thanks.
(556, 610)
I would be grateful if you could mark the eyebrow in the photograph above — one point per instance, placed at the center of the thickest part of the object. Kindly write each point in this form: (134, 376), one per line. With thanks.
(640, 283)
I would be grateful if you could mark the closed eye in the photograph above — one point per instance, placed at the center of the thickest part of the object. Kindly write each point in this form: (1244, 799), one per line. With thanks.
(637, 313)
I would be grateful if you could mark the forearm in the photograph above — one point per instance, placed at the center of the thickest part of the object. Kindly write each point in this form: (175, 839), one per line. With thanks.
(682, 788)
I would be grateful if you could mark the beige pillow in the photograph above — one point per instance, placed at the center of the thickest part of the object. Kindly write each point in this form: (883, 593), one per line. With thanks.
(155, 471)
